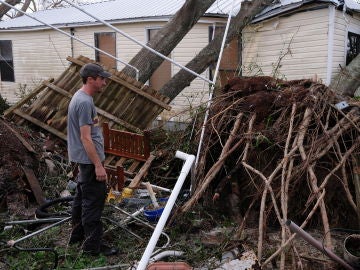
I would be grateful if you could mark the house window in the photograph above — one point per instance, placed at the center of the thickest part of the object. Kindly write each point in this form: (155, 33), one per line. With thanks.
(229, 64)
(6, 61)
(106, 41)
(353, 47)
(163, 73)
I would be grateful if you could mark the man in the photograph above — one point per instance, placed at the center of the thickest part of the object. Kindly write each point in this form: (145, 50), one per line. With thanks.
(86, 148)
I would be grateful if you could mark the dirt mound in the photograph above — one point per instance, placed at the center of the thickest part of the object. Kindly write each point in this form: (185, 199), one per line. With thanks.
(14, 157)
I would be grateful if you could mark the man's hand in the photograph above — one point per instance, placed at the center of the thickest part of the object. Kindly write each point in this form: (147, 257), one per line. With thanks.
(100, 173)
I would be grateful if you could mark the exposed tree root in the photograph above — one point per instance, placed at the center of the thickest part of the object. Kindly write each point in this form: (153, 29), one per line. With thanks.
(286, 140)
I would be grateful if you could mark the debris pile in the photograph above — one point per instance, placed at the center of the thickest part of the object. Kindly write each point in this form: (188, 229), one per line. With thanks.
(285, 151)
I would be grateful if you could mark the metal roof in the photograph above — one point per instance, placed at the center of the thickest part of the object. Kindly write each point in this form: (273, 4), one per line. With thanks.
(288, 5)
(113, 10)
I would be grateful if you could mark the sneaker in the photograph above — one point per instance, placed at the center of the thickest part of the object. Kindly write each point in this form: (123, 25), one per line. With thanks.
(108, 251)
(75, 241)
(104, 249)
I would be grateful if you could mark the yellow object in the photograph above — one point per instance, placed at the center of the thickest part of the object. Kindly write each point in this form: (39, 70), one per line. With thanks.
(113, 196)
(127, 193)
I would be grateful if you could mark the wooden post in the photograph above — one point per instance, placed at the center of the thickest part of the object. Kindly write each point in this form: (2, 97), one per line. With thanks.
(106, 136)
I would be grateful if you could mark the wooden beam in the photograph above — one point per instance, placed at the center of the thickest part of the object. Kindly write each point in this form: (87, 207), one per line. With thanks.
(40, 124)
(34, 185)
(144, 169)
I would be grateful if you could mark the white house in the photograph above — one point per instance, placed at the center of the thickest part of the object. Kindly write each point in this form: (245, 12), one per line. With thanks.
(299, 39)
(292, 39)
(32, 50)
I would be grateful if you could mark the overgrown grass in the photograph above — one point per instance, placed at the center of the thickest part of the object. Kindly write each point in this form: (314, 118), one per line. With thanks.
(184, 234)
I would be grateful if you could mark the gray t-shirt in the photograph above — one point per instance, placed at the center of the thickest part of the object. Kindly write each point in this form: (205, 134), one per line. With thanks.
(81, 112)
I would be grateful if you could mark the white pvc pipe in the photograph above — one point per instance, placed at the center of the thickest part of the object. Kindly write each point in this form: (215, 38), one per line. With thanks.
(189, 160)
(71, 36)
(166, 253)
(213, 84)
(330, 48)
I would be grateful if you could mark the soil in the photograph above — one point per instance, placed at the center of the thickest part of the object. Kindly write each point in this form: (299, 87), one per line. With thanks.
(14, 156)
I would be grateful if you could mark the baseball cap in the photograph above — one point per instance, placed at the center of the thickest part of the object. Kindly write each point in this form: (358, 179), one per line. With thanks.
(93, 70)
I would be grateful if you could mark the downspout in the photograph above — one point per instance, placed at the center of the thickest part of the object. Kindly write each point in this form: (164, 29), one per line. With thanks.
(72, 33)
(189, 160)
(346, 31)
(331, 30)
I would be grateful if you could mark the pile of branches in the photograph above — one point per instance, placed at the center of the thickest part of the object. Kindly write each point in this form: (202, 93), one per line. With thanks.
(291, 151)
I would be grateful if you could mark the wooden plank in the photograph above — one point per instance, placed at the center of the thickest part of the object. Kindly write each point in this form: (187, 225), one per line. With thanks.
(120, 162)
(133, 166)
(58, 89)
(41, 124)
(143, 170)
(129, 86)
(108, 160)
(142, 93)
(34, 185)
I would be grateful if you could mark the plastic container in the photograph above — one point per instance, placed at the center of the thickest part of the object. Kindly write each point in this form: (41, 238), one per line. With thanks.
(352, 250)
(153, 215)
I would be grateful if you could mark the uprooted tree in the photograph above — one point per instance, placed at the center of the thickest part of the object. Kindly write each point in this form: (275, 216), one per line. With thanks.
(287, 151)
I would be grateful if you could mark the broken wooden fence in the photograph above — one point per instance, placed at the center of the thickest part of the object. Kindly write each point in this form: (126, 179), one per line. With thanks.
(124, 102)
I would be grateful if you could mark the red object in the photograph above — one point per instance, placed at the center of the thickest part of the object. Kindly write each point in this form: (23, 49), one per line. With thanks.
(169, 266)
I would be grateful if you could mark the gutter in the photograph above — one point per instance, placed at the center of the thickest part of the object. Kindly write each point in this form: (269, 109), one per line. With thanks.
(290, 9)
(204, 20)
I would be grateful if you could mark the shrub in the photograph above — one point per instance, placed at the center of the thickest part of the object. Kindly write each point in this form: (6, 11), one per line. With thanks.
(3, 105)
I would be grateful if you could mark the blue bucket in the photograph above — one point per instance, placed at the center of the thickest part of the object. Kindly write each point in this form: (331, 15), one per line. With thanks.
(153, 215)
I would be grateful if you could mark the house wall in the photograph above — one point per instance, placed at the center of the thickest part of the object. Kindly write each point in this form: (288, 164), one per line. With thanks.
(39, 55)
(299, 45)
(291, 47)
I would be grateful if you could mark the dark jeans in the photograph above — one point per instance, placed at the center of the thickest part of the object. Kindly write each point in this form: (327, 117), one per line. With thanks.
(87, 209)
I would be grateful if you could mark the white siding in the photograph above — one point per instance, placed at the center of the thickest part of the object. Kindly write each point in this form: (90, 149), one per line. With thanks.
(37, 56)
(197, 93)
(299, 42)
